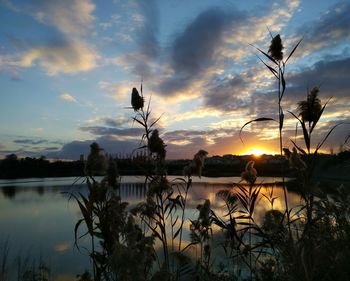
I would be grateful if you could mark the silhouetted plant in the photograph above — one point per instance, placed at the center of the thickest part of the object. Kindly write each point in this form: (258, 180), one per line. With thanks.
(277, 68)
(159, 212)
(119, 248)
(294, 256)
(85, 276)
(296, 244)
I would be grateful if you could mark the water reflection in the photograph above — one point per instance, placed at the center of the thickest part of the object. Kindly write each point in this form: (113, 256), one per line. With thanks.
(38, 215)
(9, 191)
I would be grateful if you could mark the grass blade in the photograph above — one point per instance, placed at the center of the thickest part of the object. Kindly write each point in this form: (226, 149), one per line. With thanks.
(291, 53)
(319, 116)
(265, 54)
(273, 71)
(255, 120)
(299, 148)
(319, 145)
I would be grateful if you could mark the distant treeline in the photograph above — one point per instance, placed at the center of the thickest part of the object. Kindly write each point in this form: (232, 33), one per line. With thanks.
(13, 167)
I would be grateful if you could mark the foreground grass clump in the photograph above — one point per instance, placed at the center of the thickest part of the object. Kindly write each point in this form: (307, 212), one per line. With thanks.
(308, 242)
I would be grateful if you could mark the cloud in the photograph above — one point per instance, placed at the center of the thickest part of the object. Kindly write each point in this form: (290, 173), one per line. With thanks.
(30, 141)
(195, 47)
(331, 75)
(74, 149)
(330, 29)
(197, 113)
(71, 17)
(119, 91)
(194, 50)
(50, 148)
(144, 32)
(215, 141)
(119, 122)
(120, 132)
(63, 48)
(147, 34)
(230, 94)
(61, 57)
(8, 64)
(201, 50)
(217, 40)
(68, 97)
(114, 146)
(115, 122)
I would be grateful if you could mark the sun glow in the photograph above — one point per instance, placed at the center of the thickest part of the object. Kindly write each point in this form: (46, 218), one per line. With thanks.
(258, 152)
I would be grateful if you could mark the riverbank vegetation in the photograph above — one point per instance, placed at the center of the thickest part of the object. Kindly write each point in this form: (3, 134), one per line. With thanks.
(329, 166)
(307, 242)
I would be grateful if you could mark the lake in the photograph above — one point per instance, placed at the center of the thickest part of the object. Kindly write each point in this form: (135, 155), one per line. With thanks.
(37, 219)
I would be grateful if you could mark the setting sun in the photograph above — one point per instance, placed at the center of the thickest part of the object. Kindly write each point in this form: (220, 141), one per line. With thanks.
(257, 152)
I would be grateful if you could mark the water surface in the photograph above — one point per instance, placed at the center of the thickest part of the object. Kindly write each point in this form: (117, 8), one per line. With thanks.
(37, 218)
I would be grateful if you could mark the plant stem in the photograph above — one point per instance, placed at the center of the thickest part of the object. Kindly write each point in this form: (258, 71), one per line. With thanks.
(165, 242)
(285, 191)
(189, 183)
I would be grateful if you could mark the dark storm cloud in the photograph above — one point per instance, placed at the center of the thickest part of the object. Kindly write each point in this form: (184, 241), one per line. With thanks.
(102, 131)
(194, 49)
(332, 28)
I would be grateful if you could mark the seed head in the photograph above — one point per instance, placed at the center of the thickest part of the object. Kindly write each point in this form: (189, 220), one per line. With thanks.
(136, 100)
(96, 162)
(204, 212)
(250, 173)
(276, 48)
(197, 164)
(156, 144)
(310, 109)
(296, 162)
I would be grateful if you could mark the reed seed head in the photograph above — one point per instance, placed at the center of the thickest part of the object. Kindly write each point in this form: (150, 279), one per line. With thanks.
(250, 174)
(310, 109)
(276, 48)
(96, 162)
(137, 101)
(156, 144)
(296, 162)
(197, 164)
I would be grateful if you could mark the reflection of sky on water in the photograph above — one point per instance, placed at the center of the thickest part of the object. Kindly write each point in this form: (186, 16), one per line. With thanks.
(39, 220)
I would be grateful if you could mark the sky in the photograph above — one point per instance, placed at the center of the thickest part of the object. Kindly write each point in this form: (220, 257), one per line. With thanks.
(67, 69)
